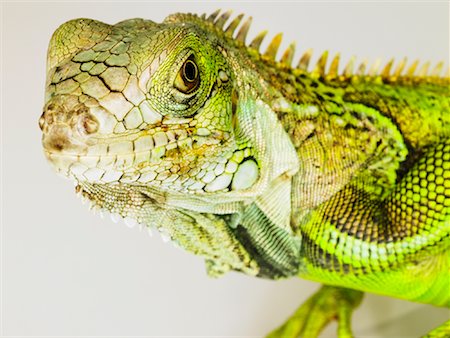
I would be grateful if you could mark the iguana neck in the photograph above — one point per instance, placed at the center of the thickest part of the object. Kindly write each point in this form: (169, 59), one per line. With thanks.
(351, 129)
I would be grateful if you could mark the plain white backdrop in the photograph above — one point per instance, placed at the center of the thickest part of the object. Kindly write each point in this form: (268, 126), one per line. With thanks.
(66, 272)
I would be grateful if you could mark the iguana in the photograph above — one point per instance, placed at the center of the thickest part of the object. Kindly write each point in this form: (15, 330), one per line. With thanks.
(337, 176)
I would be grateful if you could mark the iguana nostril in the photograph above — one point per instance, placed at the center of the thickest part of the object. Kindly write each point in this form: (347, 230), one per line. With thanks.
(87, 124)
(58, 138)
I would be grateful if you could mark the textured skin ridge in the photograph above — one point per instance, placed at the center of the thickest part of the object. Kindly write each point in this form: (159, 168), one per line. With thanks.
(258, 166)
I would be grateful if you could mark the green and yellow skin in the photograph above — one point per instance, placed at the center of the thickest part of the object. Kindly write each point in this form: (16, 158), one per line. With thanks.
(341, 177)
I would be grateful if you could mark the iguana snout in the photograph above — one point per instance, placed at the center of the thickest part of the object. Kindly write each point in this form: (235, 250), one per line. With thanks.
(64, 130)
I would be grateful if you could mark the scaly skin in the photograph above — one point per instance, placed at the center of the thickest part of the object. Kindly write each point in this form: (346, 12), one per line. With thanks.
(255, 165)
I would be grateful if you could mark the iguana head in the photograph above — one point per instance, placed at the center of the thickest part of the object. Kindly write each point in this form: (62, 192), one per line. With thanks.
(138, 103)
(173, 109)
(166, 105)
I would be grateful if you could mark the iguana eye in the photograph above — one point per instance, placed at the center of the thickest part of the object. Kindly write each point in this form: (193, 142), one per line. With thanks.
(188, 78)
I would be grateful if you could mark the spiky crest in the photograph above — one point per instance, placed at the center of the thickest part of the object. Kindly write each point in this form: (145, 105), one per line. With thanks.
(233, 25)
(288, 55)
(374, 69)
(303, 63)
(256, 42)
(272, 49)
(319, 69)
(242, 34)
(348, 70)
(218, 19)
(334, 67)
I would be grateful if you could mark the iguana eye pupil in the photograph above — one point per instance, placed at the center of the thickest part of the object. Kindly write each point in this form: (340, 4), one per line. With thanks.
(188, 78)
(190, 71)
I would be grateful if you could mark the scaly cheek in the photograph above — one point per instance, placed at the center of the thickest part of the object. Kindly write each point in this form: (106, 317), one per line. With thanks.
(234, 170)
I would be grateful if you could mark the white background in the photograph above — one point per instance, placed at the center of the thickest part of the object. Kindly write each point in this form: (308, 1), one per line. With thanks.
(66, 272)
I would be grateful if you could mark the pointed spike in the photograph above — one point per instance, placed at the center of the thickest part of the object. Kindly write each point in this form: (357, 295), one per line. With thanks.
(373, 71)
(91, 206)
(164, 235)
(165, 238)
(149, 231)
(348, 71)
(334, 67)
(362, 68)
(438, 69)
(130, 222)
(304, 60)
(256, 43)
(242, 34)
(321, 64)
(220, 22)
(214, 15)
(424, 70)
(398, 71)
(386, 72)
(272, 49)
(233, 25)
(288, 55)
(412, 69)
(115, 217)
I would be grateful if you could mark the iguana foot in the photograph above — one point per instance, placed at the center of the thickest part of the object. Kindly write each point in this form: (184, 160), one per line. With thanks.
(320, 309)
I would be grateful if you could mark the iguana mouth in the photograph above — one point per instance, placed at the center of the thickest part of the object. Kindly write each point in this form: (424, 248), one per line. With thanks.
(239, 171)
(154, 156)
(76, 147)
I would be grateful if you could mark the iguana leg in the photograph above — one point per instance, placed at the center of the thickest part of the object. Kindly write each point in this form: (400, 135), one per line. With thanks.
(319, 310)
(441, 331)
